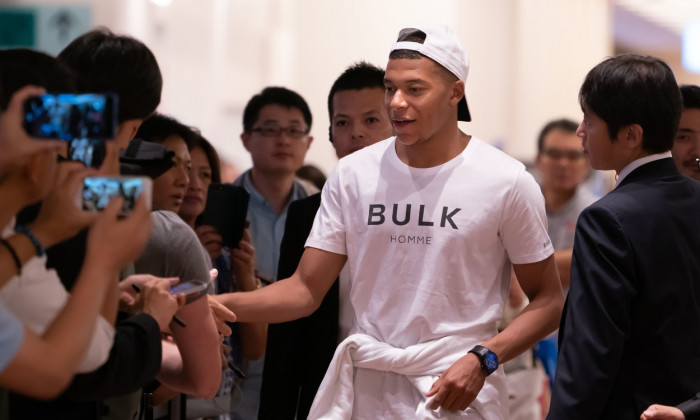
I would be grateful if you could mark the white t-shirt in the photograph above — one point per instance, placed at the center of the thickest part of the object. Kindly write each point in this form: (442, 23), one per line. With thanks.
(429, 249)
(37, 296)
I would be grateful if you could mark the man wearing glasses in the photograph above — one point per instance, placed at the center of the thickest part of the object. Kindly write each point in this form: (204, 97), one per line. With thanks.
(562, 167)
(276, 124)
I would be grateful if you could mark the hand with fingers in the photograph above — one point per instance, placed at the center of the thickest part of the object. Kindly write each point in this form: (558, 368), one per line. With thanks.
(16, 145)
(221, 315)
(459, 385)
(155, 299)
(115, 241)
(210, 239)
(243, 263)
(60, 217)
(662, 412)
(128, 289)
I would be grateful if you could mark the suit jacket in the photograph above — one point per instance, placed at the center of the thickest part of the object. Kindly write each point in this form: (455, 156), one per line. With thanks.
(691, 408)
(298, 352)
(630, 332)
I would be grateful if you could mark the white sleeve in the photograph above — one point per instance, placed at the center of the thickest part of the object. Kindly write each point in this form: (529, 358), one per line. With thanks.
(328, 231)
(97, 352)
(37, 296)
(523, 225)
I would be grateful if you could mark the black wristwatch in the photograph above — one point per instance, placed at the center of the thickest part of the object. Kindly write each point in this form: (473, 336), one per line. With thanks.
(488, 359)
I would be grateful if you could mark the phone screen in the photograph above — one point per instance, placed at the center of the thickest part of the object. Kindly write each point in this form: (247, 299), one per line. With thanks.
(192, 290)
(89, 151)
(98, 191)
(67, 116)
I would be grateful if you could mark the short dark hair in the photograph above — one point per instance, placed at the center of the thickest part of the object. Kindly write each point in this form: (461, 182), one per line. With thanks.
(21, 67)
(105, 62)
(211, 154)
(635, 89)
(691, 96)
(563, 124)
(358, 76)
(158, 127)
(274, 96)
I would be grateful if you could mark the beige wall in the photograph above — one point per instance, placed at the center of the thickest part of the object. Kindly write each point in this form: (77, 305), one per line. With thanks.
(528, 57)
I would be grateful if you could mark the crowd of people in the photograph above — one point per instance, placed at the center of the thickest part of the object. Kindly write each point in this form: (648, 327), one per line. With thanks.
(430, 276)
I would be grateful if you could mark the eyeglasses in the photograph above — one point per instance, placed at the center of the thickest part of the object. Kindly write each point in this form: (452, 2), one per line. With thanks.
(556, 154)
(276, 131)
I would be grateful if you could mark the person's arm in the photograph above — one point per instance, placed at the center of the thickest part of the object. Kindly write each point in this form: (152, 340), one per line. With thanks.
(597, 319)
(563, 259)
(45, 364)
(253, 334)
(291, 298)
(196, 368)
(459, 385)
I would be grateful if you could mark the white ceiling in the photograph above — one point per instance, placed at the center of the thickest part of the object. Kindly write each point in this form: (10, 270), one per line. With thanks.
(652, 24)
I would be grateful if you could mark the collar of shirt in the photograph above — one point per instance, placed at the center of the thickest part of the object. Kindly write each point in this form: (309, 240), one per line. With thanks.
(639, 162)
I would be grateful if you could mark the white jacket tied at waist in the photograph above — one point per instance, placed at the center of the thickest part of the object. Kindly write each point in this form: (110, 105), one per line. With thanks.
(422, 364)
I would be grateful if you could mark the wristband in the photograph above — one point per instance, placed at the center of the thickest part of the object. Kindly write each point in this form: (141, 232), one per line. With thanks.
(40, 251)
(13, 253)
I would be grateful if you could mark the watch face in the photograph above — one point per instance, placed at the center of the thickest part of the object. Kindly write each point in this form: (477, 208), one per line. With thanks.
(491, 361)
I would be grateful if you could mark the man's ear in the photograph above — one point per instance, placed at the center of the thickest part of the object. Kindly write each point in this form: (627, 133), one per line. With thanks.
(127, 131)
(632, 136)
(457, 92)
(245, 138)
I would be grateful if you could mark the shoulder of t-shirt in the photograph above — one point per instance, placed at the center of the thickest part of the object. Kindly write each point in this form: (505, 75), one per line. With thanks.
(167, 224)
(492, 157)
(372, 152)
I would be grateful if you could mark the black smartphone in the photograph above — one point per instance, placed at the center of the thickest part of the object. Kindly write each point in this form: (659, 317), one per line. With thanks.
(226, 209)
(98, 191)
(192, 290)
(89, 151)
(68, 116)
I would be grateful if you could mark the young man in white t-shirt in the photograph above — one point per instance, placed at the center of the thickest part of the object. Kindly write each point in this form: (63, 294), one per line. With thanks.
(429, 223)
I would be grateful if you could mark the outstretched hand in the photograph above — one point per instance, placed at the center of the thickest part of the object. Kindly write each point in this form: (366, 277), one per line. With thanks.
(459, 385)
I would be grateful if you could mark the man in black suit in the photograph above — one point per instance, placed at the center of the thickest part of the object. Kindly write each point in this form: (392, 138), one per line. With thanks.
(630, 332)
(298, 352)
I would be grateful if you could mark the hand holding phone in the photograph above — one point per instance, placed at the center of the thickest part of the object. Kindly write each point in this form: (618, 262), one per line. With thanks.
(226, 209)
(67, 116)
(59, 218)
(98, 191)
(17, 147)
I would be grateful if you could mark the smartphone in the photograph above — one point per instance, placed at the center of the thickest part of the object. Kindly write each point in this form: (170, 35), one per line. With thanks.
(68, 116)
(98, 191)
(89, 151)
(226, 209)
(192, 290)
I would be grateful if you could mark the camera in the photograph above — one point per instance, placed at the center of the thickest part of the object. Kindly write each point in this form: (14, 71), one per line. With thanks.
(98, 191)
(68, 116)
